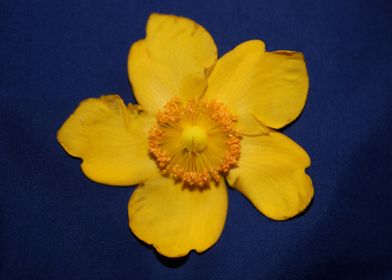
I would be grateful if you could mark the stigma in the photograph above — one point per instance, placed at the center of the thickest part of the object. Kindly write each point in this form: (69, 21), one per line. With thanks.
(194, 138)
(195, 142)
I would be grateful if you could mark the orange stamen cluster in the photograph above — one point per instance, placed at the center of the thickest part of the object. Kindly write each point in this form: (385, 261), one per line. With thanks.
(195, 168)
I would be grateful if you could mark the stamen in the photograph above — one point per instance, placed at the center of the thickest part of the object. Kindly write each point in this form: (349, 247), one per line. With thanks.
(195, 143)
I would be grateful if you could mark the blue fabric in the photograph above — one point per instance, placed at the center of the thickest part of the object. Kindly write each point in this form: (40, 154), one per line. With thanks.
(56, 224)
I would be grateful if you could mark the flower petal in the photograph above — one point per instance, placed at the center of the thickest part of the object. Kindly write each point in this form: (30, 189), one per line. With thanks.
(173, 60)
(175, 219)
(269, 86)
(111, 139)
(271, 175)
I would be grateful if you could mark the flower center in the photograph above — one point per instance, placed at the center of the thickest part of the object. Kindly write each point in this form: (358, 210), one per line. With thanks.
(194, 139)
(195, 143)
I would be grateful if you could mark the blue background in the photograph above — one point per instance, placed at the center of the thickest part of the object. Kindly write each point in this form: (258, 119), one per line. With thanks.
(56, 224)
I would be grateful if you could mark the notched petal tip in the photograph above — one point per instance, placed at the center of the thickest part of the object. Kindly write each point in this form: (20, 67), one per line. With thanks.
(255, 45)
(305, 199)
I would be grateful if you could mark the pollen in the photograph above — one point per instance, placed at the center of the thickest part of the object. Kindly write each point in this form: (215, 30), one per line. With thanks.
(195, 142)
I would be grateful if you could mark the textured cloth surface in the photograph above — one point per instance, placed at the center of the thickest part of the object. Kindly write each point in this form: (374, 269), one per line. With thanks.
(56, 224)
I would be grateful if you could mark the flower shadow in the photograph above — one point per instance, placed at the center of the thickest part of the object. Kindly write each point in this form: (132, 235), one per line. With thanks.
(171, 262)
(166, 261)
(300, 214)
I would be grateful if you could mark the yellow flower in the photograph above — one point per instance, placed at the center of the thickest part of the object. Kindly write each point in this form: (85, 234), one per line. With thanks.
(200, 120)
